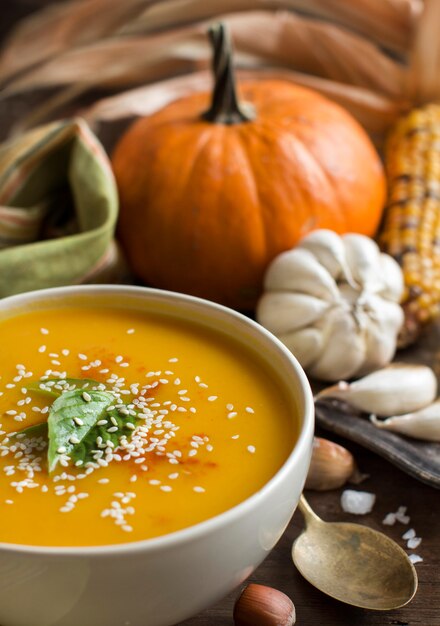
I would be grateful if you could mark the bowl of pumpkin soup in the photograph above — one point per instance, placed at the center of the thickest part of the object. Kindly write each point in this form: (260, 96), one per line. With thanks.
(153, 447)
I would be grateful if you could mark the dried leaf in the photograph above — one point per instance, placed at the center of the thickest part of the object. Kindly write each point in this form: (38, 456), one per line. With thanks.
(281, 38)
(57, 28)
(113, 62)
(424, 71)
(388, 22)
(375, 112)
(318, 48)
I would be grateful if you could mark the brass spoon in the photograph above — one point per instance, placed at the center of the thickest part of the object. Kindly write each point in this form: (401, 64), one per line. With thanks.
(353, 563)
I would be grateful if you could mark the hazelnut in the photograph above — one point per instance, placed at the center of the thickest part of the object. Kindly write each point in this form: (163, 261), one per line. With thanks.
(259, 605)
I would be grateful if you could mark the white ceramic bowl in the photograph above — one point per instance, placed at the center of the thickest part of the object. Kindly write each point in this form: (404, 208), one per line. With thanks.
(159, 582)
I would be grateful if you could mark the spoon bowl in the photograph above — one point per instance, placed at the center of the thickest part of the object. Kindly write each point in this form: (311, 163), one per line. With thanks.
(353, 563)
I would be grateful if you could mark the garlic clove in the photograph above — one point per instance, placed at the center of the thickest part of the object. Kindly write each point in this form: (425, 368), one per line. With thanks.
(393, 278)
(394, 390)
(423, 424)
(283, 312)
(363, 258)
(328, 248)
(304, 344)
(331, 465)
(259, 605)
(384, 321)
(298, 270)
(343, 348)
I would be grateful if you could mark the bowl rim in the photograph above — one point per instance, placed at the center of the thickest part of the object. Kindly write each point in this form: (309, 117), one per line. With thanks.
(209, 525)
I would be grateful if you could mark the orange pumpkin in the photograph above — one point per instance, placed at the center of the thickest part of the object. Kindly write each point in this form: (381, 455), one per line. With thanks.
(208, 200)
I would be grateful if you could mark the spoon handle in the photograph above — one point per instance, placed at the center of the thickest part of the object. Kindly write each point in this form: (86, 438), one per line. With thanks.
(308, 513)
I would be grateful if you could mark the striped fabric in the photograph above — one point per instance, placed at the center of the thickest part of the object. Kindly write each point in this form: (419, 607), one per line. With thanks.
(58, 209)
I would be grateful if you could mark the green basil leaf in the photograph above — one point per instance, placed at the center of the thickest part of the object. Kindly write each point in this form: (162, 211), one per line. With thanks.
(84, 451)
(80, 383)
(61, 421)
(37, 430)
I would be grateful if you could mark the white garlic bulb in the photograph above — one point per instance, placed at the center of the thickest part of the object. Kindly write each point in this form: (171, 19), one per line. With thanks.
(334, 302)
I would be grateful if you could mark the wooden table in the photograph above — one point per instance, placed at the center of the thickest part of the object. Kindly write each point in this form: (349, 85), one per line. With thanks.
(392, 487)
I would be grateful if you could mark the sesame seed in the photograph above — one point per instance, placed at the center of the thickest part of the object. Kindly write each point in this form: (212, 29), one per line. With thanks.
(78, 421)
(61, 450)
(86, 396)
(65, 352)
(101, 422)
(74, 439)
(166, 488)
(44, 331)
(199, 489)
(203, 385)
(130, 331)
(119, 359)
(42, 349)
(113, 429)
(153, 481)
(127, 528)
(251, 449)
(232, 414)
(235, 436)
(249, 409)
(212, 398)
(173, 476)
(103, 481)
(83, 357)
(173, 360)
(133, 478)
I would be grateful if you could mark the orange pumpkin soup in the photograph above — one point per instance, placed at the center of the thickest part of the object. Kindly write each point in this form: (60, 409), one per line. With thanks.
(129, 426)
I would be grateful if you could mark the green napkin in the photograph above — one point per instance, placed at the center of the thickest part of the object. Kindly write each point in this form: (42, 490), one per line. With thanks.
(58, 209)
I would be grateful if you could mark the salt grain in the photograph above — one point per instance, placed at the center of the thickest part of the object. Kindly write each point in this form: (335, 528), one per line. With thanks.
(415, 558)
(357, 502)
(414, 543)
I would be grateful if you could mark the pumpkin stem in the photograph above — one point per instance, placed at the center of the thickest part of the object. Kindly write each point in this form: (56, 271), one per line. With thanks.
(225, 108)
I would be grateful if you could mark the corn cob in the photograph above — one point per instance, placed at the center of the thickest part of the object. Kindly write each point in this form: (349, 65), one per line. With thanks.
(411, 230)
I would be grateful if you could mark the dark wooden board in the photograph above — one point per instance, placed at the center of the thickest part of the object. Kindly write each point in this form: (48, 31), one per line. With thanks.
(418, 458)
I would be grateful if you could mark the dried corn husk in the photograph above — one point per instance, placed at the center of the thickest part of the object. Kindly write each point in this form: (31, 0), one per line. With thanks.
(375, 112)
(394, 390)
(423, 424)
(423, 83)
(320, 49)
(55, 29)
(87, 43)
(342, 65)
(387, 22)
